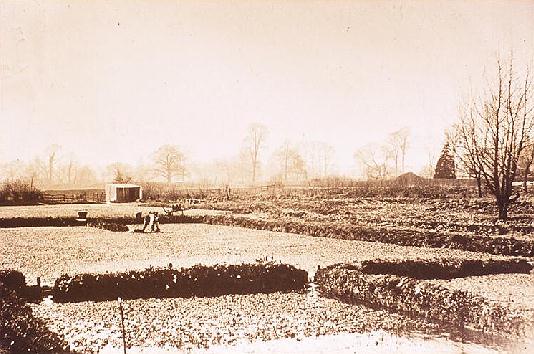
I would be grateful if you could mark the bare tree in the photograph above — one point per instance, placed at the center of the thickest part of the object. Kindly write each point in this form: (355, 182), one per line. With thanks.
(318, 157)
(85, 176)
(120, 172)
(36, 170)
(495, 130)
(170, 161)
(399, 142)
(375, 160)
(51, 152)
(70, 170)
(428, 169)
(462, 139)
(290, 162)
(254, 142)
(327, 155)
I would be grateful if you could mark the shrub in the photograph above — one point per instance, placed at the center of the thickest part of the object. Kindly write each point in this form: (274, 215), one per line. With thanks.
(12, 279)
(204, 281)
(18, 192)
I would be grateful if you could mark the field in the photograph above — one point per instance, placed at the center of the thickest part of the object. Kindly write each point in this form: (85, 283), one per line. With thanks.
(50, 252)
(238, 322)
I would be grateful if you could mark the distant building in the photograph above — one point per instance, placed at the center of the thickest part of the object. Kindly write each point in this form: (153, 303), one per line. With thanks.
(123, 193)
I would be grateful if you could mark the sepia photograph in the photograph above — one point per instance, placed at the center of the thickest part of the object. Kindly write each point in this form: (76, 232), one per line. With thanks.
(266, 176)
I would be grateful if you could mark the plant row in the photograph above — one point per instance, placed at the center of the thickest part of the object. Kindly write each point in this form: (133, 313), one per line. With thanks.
(442, 268)
(200, 281)
(20, 331)
(419, 299)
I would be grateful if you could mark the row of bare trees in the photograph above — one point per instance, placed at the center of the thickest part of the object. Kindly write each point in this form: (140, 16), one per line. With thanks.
(289, 163)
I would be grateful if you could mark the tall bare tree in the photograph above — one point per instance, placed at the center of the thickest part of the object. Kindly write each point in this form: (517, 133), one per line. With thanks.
(399, 141)
(462, 138)
(318, 157)
(52, 152)
(254, 142)
(495, 129)
(170, 162)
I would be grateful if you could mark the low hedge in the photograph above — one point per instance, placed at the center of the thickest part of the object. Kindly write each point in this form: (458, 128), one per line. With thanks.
(418, 299)
(200, 280)
(442, 268)
(117, 223)
(20, 331)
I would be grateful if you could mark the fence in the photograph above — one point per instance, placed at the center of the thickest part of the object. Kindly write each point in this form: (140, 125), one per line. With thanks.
(73, 198)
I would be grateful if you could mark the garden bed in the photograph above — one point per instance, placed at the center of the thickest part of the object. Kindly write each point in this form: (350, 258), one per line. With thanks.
(419, 299)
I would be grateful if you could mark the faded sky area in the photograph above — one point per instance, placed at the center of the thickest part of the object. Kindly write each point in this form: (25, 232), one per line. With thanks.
(112, 81)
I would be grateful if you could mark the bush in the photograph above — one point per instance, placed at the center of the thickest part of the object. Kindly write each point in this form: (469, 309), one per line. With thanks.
(12, 279)
(18, 192)
(202, 281)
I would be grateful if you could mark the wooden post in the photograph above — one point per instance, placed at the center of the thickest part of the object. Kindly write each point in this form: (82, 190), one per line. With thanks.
(122, 325)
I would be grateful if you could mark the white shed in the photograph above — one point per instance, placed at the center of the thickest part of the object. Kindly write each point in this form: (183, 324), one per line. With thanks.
(123, 193)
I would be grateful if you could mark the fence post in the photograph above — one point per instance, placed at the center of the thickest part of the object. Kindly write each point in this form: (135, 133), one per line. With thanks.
(122, 325)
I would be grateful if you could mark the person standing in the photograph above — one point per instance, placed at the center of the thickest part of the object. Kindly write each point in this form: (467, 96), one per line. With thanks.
(155, 222)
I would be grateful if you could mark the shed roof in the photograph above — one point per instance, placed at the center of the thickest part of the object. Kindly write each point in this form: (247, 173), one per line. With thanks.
(123, 185)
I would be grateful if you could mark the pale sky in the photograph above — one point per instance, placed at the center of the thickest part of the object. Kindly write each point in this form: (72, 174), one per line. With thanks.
(113, 80)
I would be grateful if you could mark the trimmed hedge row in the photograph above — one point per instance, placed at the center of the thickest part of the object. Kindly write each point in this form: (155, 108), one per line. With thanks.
(200, 280)
(442, 268)
(111, 224)
(20, 331)
(108, 223)
(418, 299)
